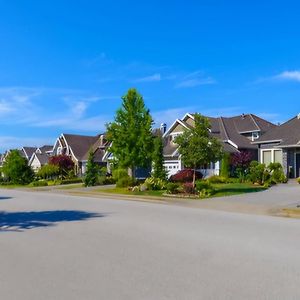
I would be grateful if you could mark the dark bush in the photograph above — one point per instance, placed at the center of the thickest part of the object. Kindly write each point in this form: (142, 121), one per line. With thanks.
(69, 181)
(172, 188)
(185, 175)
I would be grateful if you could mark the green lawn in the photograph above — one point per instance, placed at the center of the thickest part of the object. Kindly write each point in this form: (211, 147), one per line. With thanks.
(227, 189)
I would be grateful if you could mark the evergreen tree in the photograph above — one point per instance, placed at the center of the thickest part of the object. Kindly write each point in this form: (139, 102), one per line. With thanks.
(197, 147)
(225, 166)
(131, 133)
(92, 170)
(16, 169)
(158, 170)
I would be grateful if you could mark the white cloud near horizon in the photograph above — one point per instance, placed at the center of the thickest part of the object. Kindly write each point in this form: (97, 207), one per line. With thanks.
(289, 75)
(194, 79)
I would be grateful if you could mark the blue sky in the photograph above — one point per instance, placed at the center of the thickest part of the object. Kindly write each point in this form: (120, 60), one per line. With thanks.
(65, 64)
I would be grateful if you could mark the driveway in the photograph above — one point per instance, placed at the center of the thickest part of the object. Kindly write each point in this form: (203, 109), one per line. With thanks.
(57, 246)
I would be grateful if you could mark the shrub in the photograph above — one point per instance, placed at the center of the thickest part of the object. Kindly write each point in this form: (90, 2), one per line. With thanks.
(119, 173)
(69, 181)
(39, 183)
(298, 180)
(185, 175)
(277, 175)
(124, 182)
(172, 188)
(48, 171)
(155, 183)
(204, 188)
(225, 165)
(189, 188)
(217, 179)
(257, 172)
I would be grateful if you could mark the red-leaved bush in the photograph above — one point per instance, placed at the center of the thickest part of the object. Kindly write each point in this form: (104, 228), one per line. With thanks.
(185, 175)
(241, 159)
(64, 162)
(189, 188)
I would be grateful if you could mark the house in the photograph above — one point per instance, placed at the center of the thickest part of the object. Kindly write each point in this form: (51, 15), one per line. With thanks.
(282, 144)
(77, 147)
(235, 134)
(27, 152)
(40, 157)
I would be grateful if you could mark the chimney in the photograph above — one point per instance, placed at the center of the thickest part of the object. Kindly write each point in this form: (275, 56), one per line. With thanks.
(163, 128)
(298, 116)
(243, 116)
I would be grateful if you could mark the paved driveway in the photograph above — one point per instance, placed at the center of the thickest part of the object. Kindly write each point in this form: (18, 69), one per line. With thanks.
(61, 247)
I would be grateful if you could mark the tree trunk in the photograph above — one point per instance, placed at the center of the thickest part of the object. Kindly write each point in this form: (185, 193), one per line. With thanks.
(194, 176)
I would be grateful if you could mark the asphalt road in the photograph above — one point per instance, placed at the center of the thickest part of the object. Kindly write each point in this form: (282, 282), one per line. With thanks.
(56, 247)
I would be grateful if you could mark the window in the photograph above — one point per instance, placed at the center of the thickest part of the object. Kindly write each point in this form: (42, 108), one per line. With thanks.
(267, 157)
(278, 156)
(255, 135)
(271, 155)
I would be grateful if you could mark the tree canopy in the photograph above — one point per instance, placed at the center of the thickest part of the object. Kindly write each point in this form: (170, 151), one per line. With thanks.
(16, 169)
(197, 146)
(131, 133)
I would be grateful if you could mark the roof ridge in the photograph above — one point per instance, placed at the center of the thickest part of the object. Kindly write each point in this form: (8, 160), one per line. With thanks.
(223, 126)
(255, 123)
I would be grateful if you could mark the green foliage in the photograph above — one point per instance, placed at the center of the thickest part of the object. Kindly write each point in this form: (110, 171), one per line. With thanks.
(217, 179)
(39, 183)
(16, 169)
(48, 172)
(225, 165)
(70, 181)
(197, 147)
(159, 170)
(154, 184)
(119, 173)
(172, 188)
(131, 133)
(277, 174)
(124, 182)
(257, 172)
(298, 180)
(204, 188)
(92, 171)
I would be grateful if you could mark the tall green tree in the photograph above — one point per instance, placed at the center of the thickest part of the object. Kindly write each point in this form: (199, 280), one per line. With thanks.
(158, 169)
(16, 169)
(131, 133)
(92, 170)
(197, 147)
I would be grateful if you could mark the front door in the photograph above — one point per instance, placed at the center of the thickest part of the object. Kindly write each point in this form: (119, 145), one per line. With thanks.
(298, 165)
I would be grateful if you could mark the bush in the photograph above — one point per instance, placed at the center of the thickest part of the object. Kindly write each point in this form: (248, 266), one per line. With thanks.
(39, 183)
(69, 181)
(172, 188)
(189, 188)
(225, 165)
(258, 173)
(119, 173)
(204, 188)
(217, 179)
(185, 175)
(48, 171)
(155, 184)
(124, 182)
(277, 175)
(298, 180)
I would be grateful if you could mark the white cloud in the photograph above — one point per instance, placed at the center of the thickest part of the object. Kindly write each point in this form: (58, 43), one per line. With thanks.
(289, 75)
(195, 79)
(151, 78)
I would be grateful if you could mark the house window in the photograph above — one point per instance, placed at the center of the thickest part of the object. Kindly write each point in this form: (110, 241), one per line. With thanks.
(255, 135)
(278, 156)
(267, 157)
(271, 155)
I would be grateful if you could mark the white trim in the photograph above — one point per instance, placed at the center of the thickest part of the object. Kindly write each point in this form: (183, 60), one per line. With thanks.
(267, 142)
(171, 127)
(232, 144)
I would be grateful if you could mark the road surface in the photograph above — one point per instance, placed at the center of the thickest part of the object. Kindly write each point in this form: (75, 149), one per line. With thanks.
(56, 246)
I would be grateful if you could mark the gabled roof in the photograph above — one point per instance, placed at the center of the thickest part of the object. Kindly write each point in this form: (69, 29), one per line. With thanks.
(28, 151)
(42, 158)
(229, 130)
(44, 149)
(80, 145)
(287, 134)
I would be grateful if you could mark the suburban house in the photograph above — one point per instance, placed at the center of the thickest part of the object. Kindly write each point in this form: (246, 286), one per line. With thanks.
(77, 147)
(282, 144)
(27, 152)
(40, 157)
(235, 133)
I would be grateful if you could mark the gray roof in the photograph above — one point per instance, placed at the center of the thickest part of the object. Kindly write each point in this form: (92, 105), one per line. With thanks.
(230, 129)
(288, 133)
(46, 148)
(43, 158)
(81, 145)
(29, 151)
